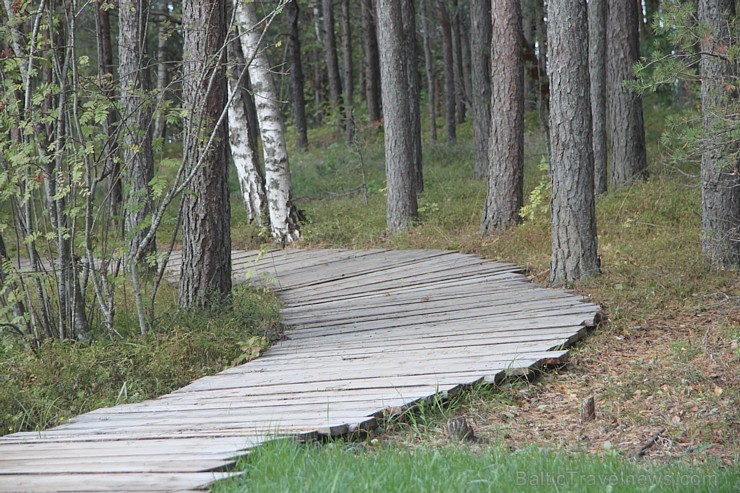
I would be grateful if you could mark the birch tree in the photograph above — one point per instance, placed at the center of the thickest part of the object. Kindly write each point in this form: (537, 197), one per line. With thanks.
(243, 150)
(283, 215)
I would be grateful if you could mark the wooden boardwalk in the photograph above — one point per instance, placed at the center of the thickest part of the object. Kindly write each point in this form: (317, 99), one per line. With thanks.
(368, 331)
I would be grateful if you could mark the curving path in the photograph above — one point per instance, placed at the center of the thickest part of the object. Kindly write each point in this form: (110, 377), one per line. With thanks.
(368, 331)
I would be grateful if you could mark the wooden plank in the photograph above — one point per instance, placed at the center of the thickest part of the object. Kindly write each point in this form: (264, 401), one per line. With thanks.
(412, 337)
(120, 482)
(548, 314)
(116, 465)
(398, 277)
(424, 294)
(429, 307)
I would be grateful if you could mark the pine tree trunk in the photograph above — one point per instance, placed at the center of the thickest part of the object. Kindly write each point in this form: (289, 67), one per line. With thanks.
(597, 16)
(480, 41)
(529, 30)
(160, 124)
(457, 63)
(450, 105)
(138, 160)
(372, 60)
(206, 237)
(629, 161)
(399, 141)
(332, 60)
(543, 98)
(506, 172)
(349, 83)
(296, 73)
(720, 169)
(429, 65)
(574, 253)
(106, 78)
(243, 150)
(282, 212)
(414, 86)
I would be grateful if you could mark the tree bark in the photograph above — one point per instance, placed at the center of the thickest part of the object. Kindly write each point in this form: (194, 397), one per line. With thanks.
(543, 99)
(138, 160)
(106, 80)
(414, 86)
(506, 147)
(243, 148)
(332, 61)
(720, 169)
(457, 63)
(296, 73)
(372, 60)
(574, 253)
(160, 124)
(349, 83)
(429, 66)
(399, 143)
(206, 237)
(282, 212)
(597, 15)
(529, 30)
(446, 26)
(629, 160)
(480, 41)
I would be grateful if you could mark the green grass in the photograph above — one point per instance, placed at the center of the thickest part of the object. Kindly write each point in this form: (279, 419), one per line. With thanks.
(286, 466)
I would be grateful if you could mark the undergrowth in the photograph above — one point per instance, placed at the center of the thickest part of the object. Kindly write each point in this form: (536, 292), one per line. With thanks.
(63, 378)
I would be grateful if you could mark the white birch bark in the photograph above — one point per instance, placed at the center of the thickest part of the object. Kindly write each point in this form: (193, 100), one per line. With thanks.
(282, 213)
(251, 181)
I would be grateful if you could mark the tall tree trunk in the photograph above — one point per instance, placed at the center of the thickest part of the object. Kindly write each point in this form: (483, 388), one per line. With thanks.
(296, 73)
(506, 173)
(243, 148)
(457, 63)
(319, 74)
(597, 15)
(106, 80)
(447, 60)
(629, 160)
(480, 41)
(529, 30)
(332, 61)
(372, 60)
(399, 143)
(429, 65)
(720, 169)
(349, 83)
(136, 119)
(160, 124)
(283, 214)
(206, 237)
(414, 86)
(574, 252)
(543, 98)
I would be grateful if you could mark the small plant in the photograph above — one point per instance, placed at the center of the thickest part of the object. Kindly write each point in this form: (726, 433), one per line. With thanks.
(539, 197)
